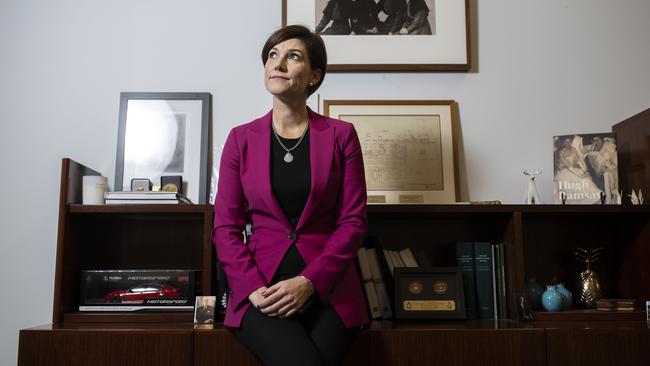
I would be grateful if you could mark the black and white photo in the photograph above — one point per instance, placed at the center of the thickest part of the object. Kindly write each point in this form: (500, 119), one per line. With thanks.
(163, 134)
(375, 17)
(387, 34)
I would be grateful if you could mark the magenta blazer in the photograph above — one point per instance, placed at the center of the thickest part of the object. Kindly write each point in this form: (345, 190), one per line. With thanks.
(329, 232)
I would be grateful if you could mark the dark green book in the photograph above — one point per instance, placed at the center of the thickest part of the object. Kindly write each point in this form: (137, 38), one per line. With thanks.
(501, 277)
(483, 276)
(465, 263)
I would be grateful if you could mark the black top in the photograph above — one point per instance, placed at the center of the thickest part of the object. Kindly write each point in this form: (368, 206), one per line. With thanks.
(291, 184)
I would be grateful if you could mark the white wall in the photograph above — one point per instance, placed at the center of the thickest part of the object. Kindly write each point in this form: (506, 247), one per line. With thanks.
(543, 68)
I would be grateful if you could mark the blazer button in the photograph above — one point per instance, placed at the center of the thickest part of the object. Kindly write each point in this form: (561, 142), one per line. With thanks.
(291, 235)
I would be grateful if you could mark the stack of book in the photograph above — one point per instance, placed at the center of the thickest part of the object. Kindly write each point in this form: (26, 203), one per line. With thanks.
(376, 267)
(145, 198)
(482, 265)
(615, 304)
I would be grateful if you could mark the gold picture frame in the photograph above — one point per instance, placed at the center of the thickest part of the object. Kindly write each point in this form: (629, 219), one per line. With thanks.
(409, 147)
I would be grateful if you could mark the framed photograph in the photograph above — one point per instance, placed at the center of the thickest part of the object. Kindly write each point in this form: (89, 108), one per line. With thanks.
(204, 309)
(165, 134)
(387, 34)
(409, 148)
(429, 293)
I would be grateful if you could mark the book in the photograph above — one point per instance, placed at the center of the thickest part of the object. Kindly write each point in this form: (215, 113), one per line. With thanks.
(139, 197)
(495, 297)
(143, 202)
(584, 167)
(368, 284)
(380, 286)
(501, 278)
(465, 263)
(615, 304)
(483, 278)
(408, 258)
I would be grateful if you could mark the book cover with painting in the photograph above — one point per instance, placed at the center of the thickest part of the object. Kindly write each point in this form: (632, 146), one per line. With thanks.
(585, 168)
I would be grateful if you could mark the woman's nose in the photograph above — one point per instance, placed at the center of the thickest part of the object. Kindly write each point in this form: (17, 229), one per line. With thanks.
(280, 64)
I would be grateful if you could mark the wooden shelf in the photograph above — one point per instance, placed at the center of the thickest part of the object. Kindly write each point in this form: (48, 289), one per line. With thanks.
(77, 208)
(590, 315)
(129, 317)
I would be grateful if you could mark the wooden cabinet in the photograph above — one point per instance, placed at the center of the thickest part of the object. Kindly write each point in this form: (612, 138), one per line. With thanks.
(539, 242)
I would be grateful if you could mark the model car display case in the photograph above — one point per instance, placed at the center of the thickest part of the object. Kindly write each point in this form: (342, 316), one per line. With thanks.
(131, 290)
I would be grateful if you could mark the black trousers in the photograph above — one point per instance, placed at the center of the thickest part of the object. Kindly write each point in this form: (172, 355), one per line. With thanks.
(315, 337)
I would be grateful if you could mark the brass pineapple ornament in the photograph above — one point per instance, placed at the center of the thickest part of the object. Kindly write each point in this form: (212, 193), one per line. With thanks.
(588, 284)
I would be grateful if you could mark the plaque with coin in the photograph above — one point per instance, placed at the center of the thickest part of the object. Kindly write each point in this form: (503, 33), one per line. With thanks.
(429, 293)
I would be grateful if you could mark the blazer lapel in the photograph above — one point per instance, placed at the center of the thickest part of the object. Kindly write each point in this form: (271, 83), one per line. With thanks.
(321, 150)
(259, 147)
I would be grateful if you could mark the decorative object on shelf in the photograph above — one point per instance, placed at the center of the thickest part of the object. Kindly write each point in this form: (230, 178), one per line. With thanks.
(433, 45)
(133, 290)
(551, 299)
(93, 188)
(636, 198)
(440, 295)
(141, 185)
(171, 183)
(204, 309)
(409, 148)
(162, 134)
(567, 296)
(532, 195)
(585, 168)
(588, 284)
(535, 291)
(615, 304)
(524, 311)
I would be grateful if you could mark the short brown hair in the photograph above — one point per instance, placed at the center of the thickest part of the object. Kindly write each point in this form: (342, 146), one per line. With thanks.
(313, 44)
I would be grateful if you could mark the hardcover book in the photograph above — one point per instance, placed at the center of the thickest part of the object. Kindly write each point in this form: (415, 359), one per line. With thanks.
(465, 263)
(585, 169)
(483, 270)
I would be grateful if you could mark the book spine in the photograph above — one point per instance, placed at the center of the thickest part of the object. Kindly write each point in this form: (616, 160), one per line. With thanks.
(503, 293)
(483, 278)
(495, 295)
(378, 279)
(465, 263)
(368, 284)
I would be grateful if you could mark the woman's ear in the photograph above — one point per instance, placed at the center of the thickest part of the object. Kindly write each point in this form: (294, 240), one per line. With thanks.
(315, 77)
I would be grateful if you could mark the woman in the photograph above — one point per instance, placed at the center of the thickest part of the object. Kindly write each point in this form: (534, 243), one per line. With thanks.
(298, 178)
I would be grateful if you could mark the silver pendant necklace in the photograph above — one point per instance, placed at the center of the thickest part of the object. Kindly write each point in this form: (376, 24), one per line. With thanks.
(288, 157)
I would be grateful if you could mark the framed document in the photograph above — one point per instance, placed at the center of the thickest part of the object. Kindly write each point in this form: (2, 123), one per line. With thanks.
(429, 293)
(409, 148)
(387, 35)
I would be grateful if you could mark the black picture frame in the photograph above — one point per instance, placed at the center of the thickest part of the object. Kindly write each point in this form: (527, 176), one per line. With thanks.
(428, 278)
(182, 111)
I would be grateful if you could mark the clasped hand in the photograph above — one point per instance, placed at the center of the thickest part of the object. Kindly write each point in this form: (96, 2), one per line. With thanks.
(283, 299)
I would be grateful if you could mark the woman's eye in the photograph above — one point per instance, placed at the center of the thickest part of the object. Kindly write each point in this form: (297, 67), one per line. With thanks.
(272, 54)
(295, 56)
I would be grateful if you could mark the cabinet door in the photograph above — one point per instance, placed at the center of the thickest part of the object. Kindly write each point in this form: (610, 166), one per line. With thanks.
(105, 347)
(596, 347)
(459, 347)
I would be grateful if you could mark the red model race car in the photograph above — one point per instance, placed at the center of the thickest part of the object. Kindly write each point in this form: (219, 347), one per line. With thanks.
(137, 294)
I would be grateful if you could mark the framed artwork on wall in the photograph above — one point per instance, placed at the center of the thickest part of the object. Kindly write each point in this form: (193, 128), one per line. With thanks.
(165, 134)
(376, 35)
(409, 148)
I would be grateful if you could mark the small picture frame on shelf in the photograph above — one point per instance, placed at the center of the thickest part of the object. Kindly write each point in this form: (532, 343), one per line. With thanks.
(165, 134)
(204, 309)
(409, 148)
